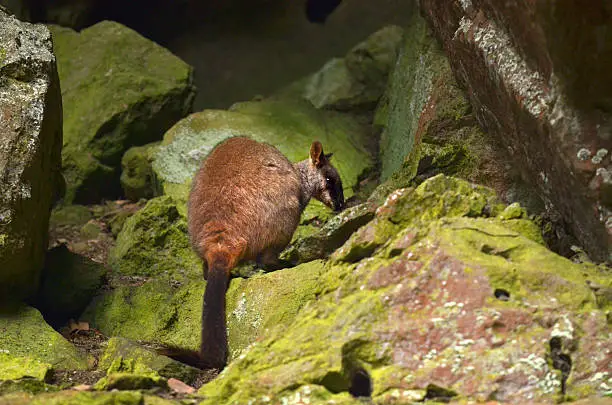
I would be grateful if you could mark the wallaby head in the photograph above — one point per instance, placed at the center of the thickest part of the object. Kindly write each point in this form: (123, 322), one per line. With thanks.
(325, 180)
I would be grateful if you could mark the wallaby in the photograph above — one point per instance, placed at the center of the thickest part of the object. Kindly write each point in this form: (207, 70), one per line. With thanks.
(245, 204)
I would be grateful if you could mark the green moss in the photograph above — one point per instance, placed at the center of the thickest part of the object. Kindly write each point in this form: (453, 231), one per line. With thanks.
(379, 314)
(15, 368)
(437, 197)
(155, 241)
(291, 126)
(25, 385)
(267, 301)
(129, 381)
(409, 88)
(526, 228)
(70, 215)
(521, 266)
(81, 398)
(25, 334)
(137, 177)
(160, 310)
(122, 355)
(111, 103)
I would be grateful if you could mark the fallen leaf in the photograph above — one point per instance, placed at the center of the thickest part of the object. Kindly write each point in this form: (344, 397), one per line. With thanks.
(180, 387)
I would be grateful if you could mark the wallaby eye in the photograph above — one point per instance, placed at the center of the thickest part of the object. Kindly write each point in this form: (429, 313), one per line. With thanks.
(328, 180)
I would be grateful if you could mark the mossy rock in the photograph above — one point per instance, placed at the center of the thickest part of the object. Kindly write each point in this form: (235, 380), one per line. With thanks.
(16, 368)
(355, 82)
(30, 153)
(111, 103)
(162, 309)
(409, 88)
(154, 241)
(170, 312)
(291, 126)
(137, 177)
(69, 281)
(311, 243)
(26, 335)
(123, 355)
(129, 381)
(70, 215)
(85, 398)
(419, 317)
(263, 302)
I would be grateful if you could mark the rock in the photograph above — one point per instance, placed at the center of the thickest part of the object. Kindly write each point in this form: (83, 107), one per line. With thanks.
(355, 82)
(320, 243)
(30, 148)
(169, 311)
(122, 355)
(70, 215)
(16, 368)
(410, 85)
(154, 241)
(137, 173)
(70, 397)
(419, 319)
(264, 302)
(428, 127)
(29, 342)
(112, 104)
(291, 126)
(129, 382)
(160, 309)
(543, 97)
(68, 284)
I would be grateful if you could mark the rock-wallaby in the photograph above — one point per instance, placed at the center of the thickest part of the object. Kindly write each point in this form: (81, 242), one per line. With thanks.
(245, 204)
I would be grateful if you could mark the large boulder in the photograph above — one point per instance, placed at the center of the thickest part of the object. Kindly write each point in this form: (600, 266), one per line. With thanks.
(536, 74)
(444, 294)
(119, 90)
(30, 147)
(355, 82)
(291, 126)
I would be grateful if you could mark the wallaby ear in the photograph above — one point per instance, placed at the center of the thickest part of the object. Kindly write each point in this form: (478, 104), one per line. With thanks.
(329, 155)
(317, 157)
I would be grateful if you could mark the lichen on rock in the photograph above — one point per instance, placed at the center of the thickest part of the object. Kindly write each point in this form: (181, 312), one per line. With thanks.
(30, 148)
(420, 317)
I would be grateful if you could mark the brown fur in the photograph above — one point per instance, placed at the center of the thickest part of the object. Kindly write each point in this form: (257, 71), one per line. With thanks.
(245, 204)
(245, 201)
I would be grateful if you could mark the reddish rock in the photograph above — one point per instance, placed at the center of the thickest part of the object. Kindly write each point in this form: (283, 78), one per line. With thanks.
(537, 75)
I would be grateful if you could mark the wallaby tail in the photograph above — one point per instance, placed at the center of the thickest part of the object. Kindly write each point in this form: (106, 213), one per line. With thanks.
(214, 348)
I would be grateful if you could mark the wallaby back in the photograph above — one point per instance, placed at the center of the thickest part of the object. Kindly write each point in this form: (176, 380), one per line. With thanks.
(245, 198)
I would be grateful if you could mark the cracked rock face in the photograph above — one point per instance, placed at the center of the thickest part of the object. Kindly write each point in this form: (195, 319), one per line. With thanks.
(30, 147)
(536, 76)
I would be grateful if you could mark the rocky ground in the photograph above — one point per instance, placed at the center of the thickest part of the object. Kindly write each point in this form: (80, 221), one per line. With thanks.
(447, 279)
